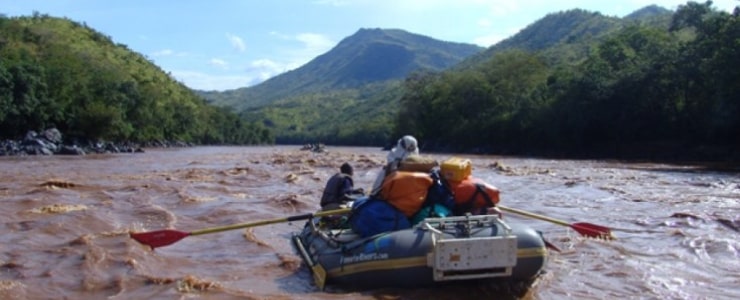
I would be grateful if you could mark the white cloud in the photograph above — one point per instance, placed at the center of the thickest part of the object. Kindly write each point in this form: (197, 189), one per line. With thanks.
(217, 62)
(264, 64)
(236, 42)
(489, 40)
(310, 40)
(164, 52)
(259, 70)
(503, 8)
(315, 42)
(495, 37)
(312, 45)
(279, 35)
(485, 23)
(208, 82)
(254, 73)
(168, 52)
(263, 69)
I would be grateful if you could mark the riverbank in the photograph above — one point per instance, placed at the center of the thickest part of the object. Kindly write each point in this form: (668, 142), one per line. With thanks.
(51, 142)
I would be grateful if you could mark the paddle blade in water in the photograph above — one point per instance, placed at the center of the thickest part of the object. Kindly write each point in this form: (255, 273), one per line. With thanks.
(593, 230)
(159, 238)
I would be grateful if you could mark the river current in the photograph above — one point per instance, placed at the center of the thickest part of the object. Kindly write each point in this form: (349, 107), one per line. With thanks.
(65, 224)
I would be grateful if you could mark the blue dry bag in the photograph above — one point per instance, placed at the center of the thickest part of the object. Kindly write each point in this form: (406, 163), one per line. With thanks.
(371, 216)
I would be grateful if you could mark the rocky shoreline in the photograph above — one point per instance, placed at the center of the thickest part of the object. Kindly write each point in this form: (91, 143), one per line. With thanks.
(50, 142)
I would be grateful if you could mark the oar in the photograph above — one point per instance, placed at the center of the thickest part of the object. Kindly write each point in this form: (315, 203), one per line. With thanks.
(164, 237)
(585, 229)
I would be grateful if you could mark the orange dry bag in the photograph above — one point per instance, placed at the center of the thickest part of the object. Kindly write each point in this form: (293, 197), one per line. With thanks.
(406, 190)
(472, 194)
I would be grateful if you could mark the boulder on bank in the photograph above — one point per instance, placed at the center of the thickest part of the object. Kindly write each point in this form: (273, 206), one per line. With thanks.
(50, 142)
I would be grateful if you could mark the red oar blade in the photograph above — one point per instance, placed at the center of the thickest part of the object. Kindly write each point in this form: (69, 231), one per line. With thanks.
(159, 238)
(593, 230)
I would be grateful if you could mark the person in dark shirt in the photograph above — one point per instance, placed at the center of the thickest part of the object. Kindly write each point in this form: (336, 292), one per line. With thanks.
(339, 189)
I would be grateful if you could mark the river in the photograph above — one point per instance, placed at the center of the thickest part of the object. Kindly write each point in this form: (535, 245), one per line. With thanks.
(66, 222)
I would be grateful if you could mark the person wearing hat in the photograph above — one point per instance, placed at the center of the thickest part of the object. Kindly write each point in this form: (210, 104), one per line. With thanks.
(405, 147)
(339, 189)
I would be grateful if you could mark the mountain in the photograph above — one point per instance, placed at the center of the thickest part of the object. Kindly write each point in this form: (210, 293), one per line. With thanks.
(648, 12)
(572, 27)
(369, 56)
(566, 36)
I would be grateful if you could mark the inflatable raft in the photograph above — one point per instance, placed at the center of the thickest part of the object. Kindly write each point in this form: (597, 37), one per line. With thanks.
(434, 251)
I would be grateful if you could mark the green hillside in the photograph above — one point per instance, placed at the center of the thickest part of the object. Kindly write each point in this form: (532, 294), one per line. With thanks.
(361, 116)
(567, 36)
(367, 57)
(652, 89)
(59, 73)
(348, 95)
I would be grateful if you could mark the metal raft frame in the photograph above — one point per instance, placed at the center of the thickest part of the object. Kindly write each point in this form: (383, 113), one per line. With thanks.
(470, 257)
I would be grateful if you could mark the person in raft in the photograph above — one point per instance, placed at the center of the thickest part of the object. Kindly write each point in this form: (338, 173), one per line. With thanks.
(340, 189)
(405, 147)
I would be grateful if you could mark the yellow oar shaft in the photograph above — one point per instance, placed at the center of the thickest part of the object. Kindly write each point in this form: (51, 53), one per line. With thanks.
(272, 221)
(533, 215)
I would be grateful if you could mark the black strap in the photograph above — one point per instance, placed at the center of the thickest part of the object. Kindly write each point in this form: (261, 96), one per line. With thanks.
(470, 204)
(479, 188)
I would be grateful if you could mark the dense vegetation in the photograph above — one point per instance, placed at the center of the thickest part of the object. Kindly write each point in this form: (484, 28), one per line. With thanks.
(58, 73)
(362, 116)
(642, 90)
(567, 37)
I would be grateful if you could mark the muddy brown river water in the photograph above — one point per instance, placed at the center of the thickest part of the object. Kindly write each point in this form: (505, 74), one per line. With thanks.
(65, 220)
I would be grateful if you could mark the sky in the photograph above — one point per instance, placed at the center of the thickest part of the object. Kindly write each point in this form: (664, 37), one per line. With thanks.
(228, 44)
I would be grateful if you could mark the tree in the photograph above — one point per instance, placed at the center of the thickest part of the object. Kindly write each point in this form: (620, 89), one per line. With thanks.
(709, 73)
(27, 110)
(6, 92)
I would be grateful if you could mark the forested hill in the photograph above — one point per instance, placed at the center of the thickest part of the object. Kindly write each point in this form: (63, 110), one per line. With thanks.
(646, 89)
(55, 72)
(650, 14)
(567, 36)
(369, 56)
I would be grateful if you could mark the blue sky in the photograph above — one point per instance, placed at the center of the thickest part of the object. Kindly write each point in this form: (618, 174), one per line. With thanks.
(228, 44)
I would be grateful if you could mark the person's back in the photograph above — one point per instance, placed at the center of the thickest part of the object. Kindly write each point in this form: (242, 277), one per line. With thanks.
(338, 189)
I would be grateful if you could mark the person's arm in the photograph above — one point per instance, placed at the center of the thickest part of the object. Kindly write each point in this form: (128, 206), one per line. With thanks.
(378, 183)
(348, 190)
